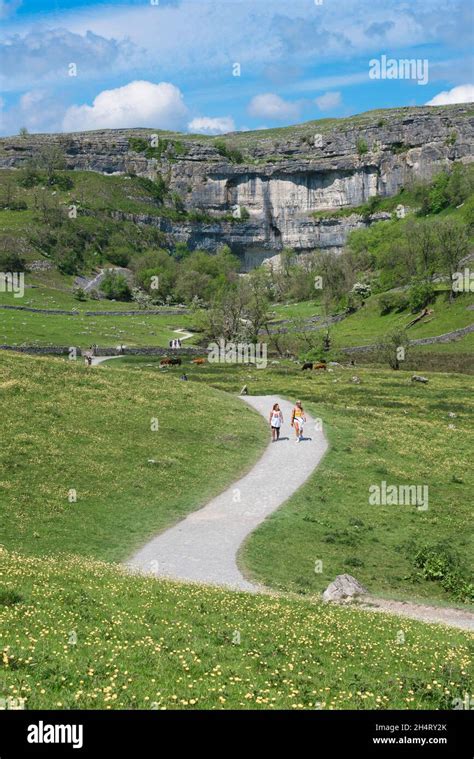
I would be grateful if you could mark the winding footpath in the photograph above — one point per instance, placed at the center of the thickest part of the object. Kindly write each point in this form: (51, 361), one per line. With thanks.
(204, 546)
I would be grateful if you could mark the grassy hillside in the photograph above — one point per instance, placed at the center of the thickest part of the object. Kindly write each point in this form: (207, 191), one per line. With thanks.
(69, 427)
(52, 291)
(23, 327)
(81, 634)
(364, 327)
(367, 326)
(384, 428)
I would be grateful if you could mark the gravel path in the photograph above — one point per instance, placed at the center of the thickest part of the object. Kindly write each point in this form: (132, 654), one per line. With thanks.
(96, 360)
(463, 619)
(204, 546)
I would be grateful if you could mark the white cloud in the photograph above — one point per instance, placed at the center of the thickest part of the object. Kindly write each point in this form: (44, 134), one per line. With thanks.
(329, 101)
(206, 125)
(8, 7)
(137, 104)
(462, 94)
(38, 110)
(43, 56)
(271, 106)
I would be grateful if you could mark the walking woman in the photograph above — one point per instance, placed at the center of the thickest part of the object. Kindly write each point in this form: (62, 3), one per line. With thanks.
(298, 420)
(276, 420)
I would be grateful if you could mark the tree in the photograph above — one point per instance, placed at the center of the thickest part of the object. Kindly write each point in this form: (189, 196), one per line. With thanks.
(51, 158)
(257, 307)
(453, 244)
(337, 278)
(421, 244)
(393, 348)
(115, 286)
(11, 258)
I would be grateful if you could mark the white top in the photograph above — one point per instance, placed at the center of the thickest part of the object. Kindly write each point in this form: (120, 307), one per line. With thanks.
(276, 418)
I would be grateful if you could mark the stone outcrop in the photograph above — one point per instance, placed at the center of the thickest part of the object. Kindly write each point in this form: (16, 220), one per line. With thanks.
(283, 176)
(345, 587)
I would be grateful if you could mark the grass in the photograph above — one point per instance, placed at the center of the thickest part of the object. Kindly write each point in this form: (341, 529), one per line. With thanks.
(301, 310)
(375, 204)
(78, 634)
(385, 428)
(66, 427)
(366, 326)
(97, 194)
(26, 328)
(47, 296)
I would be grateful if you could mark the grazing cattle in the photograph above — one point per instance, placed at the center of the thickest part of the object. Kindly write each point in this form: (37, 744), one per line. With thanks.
(320, 365)
(307, 365)
(199, 361)
(170, 362)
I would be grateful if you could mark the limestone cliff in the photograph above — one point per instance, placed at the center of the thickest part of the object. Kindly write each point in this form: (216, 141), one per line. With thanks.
(278, 178)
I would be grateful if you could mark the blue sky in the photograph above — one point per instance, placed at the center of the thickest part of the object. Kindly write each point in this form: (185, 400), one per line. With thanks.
(171, 64)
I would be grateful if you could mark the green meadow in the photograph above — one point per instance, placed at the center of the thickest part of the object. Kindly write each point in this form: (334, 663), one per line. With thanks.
(80, 634)
(384, 428)
(27, 328)
(133, 448)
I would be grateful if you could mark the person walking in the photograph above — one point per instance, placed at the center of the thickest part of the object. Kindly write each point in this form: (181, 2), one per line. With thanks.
(298, 420)
(276, 421)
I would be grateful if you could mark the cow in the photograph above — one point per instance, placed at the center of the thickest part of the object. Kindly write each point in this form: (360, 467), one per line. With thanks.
(199, 361)
(307, 365)
(320, 365)
(170, 362)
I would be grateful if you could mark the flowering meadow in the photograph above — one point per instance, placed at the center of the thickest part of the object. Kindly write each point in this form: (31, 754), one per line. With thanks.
(77, 633)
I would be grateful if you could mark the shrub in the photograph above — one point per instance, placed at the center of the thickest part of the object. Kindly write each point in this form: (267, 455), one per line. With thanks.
(158, 189)
(68, 260)
(170, 148)
(231, 153)
(62, 181)
(392, 301)
(439, 563)
(420, 295)
(451, 139)
(14, 205)
(393, 348)
(361, 146)
(370, 207)
(29, 176)
(362, 289)
(12, 261)
(178, 202)
(115, 286)
(79, 294)
(119, 256)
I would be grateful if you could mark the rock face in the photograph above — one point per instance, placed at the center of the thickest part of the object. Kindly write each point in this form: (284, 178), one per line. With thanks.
(283, 176)
(344, 587)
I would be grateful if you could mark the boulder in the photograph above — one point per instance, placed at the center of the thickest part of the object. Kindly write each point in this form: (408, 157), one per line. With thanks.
(419, 378)
(344, 587)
